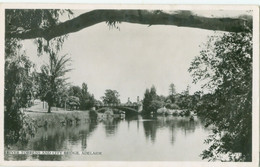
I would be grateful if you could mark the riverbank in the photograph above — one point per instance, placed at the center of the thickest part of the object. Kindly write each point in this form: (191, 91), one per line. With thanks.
(175, 112)
(58, 117)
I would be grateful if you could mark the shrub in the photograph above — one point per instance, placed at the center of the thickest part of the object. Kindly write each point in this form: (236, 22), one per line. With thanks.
(93, 113)
(155, 105)
(172, 106)
(18, 127)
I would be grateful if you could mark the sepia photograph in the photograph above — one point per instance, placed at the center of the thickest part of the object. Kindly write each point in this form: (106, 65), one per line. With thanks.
(130, 84)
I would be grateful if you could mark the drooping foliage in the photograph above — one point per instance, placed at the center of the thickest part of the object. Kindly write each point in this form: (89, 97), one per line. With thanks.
(19, 81)
(225, 64)
(29, 19)
(19, 91)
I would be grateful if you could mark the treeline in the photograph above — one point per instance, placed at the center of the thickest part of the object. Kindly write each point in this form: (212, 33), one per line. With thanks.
(174, 101)
(78, 98)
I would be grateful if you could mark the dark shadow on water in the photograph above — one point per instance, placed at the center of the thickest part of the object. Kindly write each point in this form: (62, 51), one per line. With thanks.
(54, 139)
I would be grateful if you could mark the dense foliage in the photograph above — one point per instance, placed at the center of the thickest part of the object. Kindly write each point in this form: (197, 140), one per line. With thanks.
(151, 102)
(174, 101)
(52, 79)
(19, 90)
(85, 100)
(226, 65)
(111, 97)
(19, 79)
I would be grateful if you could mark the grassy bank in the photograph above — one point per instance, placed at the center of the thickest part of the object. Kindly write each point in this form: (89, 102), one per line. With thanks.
(58, 118)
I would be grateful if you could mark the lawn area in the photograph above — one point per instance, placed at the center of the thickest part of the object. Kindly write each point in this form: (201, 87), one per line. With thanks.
(58, 116)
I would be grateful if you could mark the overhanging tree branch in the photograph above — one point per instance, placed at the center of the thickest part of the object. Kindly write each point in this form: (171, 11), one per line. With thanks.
(88, 19)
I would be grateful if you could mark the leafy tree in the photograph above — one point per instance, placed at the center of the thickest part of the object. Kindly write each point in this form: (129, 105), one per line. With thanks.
(152, 102)
(18, 93)
(187, 91)
(146, 101)
(87, 100)
(111, 97)
(52, 79)
(19, 20)
(73, 102)
(172, 90)
(90, 102)
(84, 88)
(184, 100)
(172, 106)
(153, 93)
(155, 105)
(226, 64)
(195, 99)
(19, 81)
(75, 91)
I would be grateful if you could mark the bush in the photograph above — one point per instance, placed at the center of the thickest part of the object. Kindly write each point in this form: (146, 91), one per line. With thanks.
(172, 106)
(18, 127)
(186, 113)
(161, 111)
(155, 105)
(93, 113)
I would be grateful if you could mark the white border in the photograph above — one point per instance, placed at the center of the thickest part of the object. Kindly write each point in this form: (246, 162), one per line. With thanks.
(200, 2)
(143, 163)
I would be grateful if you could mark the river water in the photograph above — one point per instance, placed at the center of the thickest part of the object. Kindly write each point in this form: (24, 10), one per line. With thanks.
(132, 139)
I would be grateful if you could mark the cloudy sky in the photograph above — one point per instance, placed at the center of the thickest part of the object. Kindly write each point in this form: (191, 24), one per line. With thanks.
(131, 59)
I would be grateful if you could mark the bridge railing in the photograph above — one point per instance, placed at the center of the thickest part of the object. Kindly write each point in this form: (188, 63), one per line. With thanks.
(117, 105)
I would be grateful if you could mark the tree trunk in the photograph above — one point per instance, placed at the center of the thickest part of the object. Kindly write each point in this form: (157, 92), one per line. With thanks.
(49, 108)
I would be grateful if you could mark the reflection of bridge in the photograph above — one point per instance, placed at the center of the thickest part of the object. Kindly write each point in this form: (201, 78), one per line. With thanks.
(128, 107)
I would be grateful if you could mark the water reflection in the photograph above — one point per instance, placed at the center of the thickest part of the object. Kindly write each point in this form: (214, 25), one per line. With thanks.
(170, 122)
(134, 132)
(150, 128)
(110, 125)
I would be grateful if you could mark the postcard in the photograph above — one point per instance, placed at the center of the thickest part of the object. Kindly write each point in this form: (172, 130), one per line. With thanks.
(129, 85)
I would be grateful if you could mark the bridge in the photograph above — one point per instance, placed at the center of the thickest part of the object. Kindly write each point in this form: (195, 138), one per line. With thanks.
(135, 107)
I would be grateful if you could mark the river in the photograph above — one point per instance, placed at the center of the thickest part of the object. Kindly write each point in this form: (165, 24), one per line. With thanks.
(132, 139)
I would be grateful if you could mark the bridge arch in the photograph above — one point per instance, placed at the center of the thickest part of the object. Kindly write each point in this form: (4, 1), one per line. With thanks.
(126, 109)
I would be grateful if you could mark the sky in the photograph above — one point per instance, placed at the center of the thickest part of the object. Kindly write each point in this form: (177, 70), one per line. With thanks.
(130, 59)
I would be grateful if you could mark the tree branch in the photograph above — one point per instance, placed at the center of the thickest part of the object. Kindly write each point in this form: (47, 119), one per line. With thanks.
(181, 19)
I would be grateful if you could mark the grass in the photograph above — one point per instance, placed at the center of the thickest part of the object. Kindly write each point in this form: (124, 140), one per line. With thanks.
(58, 116)
(62, 117)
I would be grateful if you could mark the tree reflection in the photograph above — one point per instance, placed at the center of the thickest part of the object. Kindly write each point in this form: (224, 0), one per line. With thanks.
(84, 133)
(65, 138)
(111, 125)
(172, 123)
(150, 128)
(56, 138)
